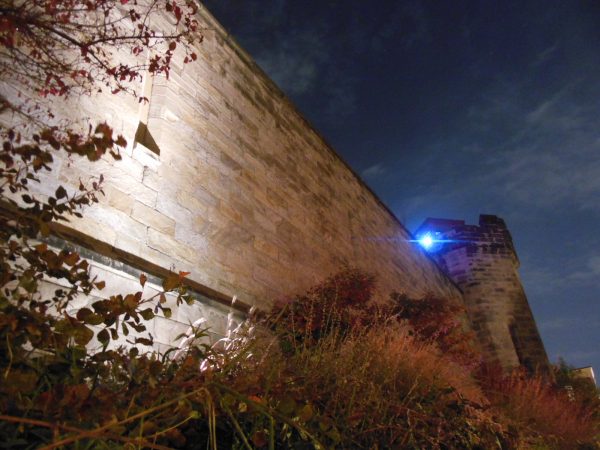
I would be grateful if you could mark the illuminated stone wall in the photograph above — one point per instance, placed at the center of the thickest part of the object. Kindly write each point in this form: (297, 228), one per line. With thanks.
(123, 278)
(483, 263)
(229, 182)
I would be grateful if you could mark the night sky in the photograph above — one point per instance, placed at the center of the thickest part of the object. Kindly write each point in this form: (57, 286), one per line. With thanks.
(455, 108)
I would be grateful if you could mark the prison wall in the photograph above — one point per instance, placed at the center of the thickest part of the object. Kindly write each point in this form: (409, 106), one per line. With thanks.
(227, 181)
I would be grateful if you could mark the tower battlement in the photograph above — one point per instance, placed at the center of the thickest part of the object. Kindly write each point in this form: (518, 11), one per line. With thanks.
(482, 261)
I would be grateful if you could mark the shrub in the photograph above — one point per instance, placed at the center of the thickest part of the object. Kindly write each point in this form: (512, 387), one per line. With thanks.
(443, 322)
(540, 412)
(339, 304)
(356, 375)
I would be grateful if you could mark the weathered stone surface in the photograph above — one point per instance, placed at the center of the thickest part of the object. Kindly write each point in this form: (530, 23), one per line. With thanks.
(119, 199)
(244, 194)
(153, 218)
(170, 247)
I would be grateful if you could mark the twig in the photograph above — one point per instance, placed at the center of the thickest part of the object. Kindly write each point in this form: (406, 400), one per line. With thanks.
(82, 434)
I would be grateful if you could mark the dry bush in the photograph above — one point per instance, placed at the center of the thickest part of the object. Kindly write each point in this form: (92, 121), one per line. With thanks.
(333, 369)
(540, 412)
(371, 387)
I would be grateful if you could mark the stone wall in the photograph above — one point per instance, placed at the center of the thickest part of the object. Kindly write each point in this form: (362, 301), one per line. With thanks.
(223, 178)
(123, 278)
(483, 263)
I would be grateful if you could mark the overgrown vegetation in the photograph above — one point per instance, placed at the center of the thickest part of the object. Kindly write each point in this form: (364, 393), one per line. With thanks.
(332, 368)
(370, 383)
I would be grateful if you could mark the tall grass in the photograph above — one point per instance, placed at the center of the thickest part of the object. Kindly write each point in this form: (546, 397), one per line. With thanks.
(374, 388)
(541, 412)
(356, 376)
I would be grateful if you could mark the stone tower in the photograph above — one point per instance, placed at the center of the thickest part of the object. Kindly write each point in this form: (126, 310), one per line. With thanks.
(482, 261)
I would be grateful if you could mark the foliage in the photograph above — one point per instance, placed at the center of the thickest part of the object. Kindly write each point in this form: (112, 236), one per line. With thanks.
(377, 388)
(541, 413)
(59, 48)
(581, 389)
(442, 322)
(354, 375)
(52, 384)
(373, 386)
(399, 375)
(338, 305)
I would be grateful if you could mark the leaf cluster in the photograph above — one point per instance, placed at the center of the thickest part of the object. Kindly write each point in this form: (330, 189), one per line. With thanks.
(60, 48)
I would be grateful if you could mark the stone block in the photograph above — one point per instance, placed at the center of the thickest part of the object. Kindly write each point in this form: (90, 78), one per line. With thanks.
(267, 247)
(146, 157)
(191, 202)
(153, 218)
(135, 188)
(167, 204)
(167, 245)
(232, 235)
(117, 221)
(152, 180)
(118, 199)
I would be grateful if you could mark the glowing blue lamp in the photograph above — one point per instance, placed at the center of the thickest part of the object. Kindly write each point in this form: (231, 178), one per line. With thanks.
(426, 241)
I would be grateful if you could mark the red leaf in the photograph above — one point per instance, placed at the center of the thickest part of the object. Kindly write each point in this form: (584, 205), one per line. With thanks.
(259, 438)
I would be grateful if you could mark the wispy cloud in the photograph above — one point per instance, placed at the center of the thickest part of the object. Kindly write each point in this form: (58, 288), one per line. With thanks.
(413, 13)
(373, 171)
(591, 272)
(294, 63)
(317, 61)
(540, 154)
(544, 56)
(408, 22)
(554, 324)
(300, 63)
(578, 358)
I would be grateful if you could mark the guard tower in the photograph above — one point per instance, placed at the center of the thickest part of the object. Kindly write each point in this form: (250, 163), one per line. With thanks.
(482, 261)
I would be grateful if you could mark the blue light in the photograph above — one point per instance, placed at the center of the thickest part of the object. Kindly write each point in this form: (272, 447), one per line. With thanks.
(434, 241)
(426, 241)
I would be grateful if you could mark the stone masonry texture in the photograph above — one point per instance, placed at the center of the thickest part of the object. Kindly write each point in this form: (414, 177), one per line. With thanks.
(231, 184)
(483, 263)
